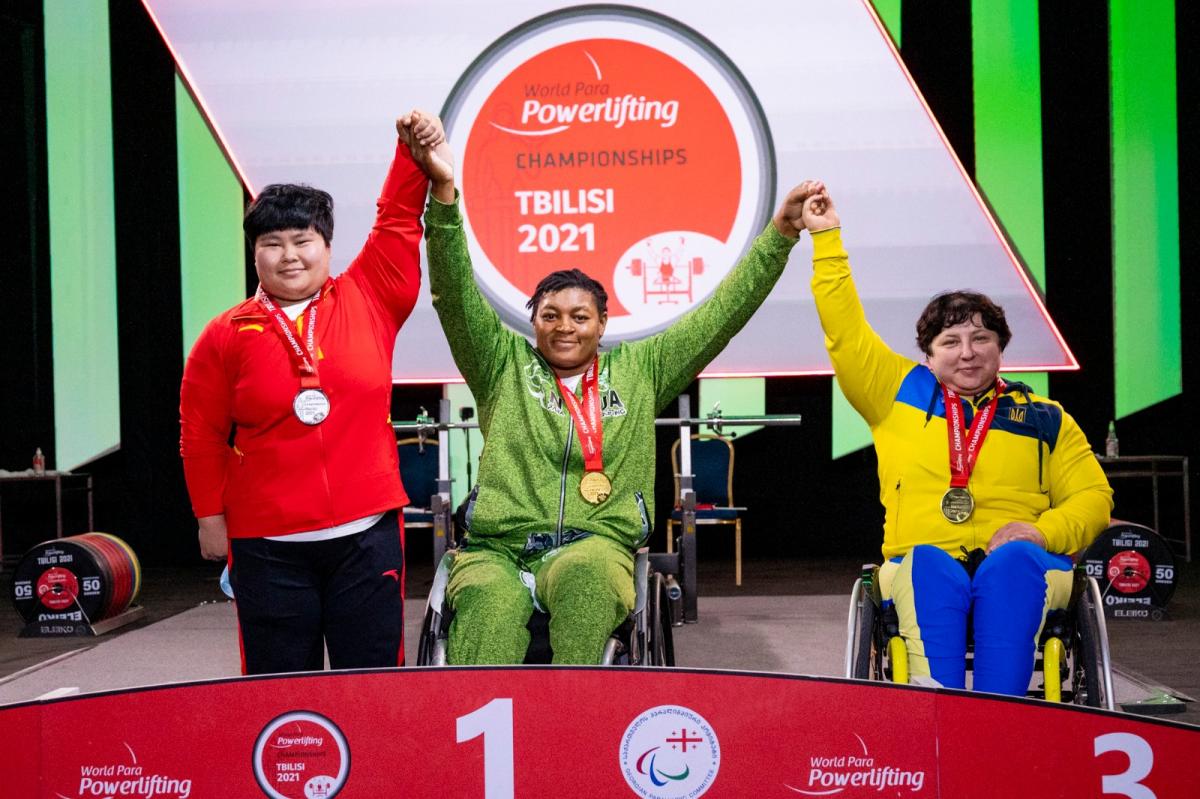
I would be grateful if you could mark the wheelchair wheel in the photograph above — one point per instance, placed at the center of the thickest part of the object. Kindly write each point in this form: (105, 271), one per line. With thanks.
(660, 646)
(1092, 671)
(431, 645)
(427, 639)
(864, 636)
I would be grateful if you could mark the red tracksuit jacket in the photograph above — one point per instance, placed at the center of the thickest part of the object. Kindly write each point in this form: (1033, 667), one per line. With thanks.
(282, 476)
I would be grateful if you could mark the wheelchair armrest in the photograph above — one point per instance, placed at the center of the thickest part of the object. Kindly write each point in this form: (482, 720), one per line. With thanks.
(441, 577)
(641, 578)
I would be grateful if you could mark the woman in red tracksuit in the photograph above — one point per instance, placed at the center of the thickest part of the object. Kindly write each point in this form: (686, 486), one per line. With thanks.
(304, 502)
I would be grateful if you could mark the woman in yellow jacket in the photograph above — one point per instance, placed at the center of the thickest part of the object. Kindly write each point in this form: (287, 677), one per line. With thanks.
(988, 488)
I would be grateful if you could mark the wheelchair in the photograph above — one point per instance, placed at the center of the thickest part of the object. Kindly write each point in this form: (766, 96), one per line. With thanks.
(643, 639)
(1072, 655)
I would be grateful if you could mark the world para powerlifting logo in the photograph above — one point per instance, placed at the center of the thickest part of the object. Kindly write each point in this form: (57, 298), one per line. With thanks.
(301, 755)
(617, 141)
(127, 776)
(858, 771)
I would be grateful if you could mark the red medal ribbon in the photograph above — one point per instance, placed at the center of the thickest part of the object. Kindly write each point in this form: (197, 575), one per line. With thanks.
(964, 454)
(303, 358)
(587, 418)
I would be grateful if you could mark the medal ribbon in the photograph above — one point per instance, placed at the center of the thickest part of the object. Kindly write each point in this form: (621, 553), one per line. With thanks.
(587, 418)
(303, 358)
(964, 454)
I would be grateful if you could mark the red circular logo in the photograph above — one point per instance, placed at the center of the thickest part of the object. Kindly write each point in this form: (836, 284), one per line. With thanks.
(591, 136)
(301, 755)
(1128, 572)
(57, 588)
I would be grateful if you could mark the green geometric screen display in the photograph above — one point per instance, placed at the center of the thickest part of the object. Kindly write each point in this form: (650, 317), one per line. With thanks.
(82, 238)
(211, 255)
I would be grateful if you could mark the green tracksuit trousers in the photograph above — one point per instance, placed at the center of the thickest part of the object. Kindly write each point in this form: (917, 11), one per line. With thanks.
(586, 586)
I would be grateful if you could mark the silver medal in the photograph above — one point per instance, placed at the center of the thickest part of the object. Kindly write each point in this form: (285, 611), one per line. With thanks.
(311, 406)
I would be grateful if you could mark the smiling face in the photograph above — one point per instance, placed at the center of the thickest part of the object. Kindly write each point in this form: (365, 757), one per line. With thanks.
(567, 327)
(966, 357)
(291, 264)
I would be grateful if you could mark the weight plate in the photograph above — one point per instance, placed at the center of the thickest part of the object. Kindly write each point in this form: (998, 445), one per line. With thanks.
(57, 588)
(108, 574)
(135, 565)
(118, 564)
(1128, 572)
(1135, 569)
(42, 569)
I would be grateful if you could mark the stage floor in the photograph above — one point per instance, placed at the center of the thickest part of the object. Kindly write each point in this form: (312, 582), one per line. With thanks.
(191, 635)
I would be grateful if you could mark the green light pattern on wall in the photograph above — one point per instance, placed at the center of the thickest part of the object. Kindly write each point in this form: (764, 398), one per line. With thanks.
(83, 262)
(211, 255)
(889, 14)
(849, 431)
(1008, 121)
(1006, 67)
(1147, 357)
(738, 396)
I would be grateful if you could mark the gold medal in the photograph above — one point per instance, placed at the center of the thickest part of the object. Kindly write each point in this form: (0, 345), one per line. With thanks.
(595, 487)
(957, 505)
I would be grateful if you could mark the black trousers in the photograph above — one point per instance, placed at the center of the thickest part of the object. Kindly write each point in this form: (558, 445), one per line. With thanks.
(296, 599)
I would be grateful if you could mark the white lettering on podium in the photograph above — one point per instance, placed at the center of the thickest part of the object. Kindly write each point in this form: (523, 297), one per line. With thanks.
(494, 721)
(1141, 760)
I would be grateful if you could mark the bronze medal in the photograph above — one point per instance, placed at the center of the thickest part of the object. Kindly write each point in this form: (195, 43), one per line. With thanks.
(595, 487)
(957, 505)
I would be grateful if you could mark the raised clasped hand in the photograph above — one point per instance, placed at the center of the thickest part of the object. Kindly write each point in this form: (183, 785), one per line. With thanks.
(789, 219)
(426, 140)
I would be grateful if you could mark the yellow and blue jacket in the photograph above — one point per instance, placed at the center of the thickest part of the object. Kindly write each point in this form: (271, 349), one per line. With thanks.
(1035, 465)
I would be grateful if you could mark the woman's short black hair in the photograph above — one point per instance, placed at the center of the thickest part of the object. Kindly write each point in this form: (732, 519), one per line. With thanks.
(955, 307)
(568, 279)
(289, 206)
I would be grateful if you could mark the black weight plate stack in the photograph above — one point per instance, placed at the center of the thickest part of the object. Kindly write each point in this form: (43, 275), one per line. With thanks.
(62, 579)
(1135, 569)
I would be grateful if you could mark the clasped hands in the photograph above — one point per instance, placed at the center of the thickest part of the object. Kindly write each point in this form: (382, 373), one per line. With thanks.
(426, 140)
(806, 207)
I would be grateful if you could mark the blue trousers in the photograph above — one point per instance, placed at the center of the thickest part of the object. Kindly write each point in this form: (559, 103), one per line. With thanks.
(295, 599)
(1006, 600)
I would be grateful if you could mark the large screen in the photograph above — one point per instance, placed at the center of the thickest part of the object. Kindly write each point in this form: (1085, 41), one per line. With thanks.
(646, 147)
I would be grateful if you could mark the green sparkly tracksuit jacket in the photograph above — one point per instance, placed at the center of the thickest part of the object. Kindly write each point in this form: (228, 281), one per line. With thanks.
(531, 464)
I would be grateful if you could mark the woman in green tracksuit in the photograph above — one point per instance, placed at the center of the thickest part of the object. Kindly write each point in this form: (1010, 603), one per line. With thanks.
(566, 477)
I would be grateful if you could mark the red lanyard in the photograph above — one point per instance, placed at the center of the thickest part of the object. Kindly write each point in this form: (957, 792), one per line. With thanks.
(303, 358)
(963, 455)
(587, 418)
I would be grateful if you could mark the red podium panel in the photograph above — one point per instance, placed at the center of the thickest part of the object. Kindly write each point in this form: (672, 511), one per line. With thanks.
(497, 732)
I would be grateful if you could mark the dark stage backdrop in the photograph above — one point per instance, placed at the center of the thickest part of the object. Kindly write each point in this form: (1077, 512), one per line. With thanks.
(802, 501)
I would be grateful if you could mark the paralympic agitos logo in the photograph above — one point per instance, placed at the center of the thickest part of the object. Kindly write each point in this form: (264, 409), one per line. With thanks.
(670, 752)
(617, 141)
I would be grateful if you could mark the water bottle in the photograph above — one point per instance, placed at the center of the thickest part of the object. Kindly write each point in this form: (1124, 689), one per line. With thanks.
(226, 588)
(39, 462)
(1112, 448)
